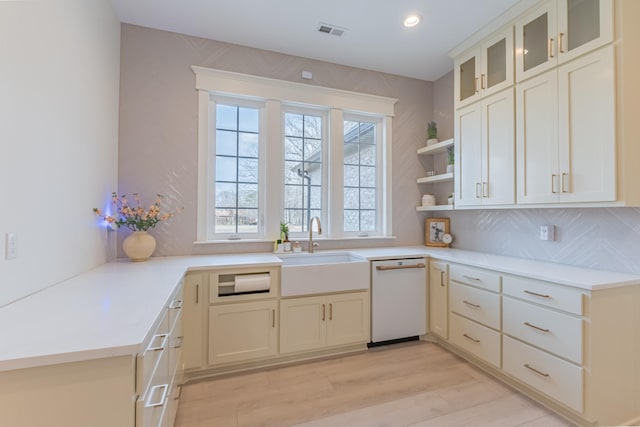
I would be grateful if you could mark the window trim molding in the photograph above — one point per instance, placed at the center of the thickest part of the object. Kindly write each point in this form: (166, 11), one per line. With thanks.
(275, 94)
(234, 84)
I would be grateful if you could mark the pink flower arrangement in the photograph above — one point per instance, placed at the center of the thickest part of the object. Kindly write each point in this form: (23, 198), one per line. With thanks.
(135, 218)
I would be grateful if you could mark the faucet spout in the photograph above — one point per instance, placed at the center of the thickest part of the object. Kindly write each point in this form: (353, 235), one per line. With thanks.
(311, 232)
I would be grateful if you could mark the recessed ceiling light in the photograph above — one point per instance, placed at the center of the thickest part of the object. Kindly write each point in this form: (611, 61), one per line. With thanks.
(412, 20)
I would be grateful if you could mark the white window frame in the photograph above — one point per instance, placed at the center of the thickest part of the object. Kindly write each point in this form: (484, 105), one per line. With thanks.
(211, 167)
(326, 149)
(277, 95)
(379, 124)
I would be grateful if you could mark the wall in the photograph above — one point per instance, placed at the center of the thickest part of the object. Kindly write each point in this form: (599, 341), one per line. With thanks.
(59, 72)
(602, 238)
(158, 126)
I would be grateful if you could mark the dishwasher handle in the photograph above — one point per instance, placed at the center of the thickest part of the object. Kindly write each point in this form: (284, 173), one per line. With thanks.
(399, 267)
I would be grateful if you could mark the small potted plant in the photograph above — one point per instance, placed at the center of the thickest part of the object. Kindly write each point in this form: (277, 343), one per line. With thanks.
(450, 160)
(432, 133)
(284, 236)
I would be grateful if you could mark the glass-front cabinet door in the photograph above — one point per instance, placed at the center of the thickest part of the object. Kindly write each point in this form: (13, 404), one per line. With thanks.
(497, 60)
(467, 78)
(583, 25)
(485, 69)
(535, 41)
(559, 31)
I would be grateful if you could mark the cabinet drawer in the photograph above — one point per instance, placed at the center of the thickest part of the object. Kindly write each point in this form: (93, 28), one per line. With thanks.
(476, 304)
(175, 305)
(175, 344)
(562, 297)
(557, 378)
(478, 277)
(556, 332)
(475, 339)
(150, 405)
(147, 361)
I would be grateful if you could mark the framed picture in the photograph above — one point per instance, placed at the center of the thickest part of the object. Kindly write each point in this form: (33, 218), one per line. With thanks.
(434, 229)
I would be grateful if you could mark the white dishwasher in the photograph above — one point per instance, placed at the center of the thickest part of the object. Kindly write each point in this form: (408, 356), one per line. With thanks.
(398, 300)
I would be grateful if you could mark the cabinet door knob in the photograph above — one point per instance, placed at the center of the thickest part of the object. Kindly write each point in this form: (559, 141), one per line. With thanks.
(560, 48)
(550, 48)
(562, 186)
(483, 81)
(553, 183)
(477, 85)
(485, 189)
(478, 190)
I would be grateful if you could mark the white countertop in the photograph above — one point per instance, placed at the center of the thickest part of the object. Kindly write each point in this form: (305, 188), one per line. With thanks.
(110, 310)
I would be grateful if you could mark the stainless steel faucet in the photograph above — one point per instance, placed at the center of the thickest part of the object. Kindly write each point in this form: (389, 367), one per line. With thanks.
(311, 232)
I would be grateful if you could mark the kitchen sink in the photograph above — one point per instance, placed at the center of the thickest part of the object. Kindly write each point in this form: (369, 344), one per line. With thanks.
(318, 273)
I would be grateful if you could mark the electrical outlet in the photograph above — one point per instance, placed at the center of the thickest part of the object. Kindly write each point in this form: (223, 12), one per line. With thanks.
(547, 232)
(11, 246)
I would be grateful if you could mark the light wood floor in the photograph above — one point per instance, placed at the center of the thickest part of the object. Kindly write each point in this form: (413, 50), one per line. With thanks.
(411, 384)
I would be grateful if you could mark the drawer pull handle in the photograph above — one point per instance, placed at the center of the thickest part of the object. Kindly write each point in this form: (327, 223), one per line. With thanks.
(472, 339)
(197, 293)
(323, 311)
(163, 396)
(163, 342)
(536, 327)
(179, 342)
(175, 305)
(543, 374)
(471, 304)
(536, 294)
(399, 267)
(442, 278)
(330, 311)
(273, 318)
(472, 278)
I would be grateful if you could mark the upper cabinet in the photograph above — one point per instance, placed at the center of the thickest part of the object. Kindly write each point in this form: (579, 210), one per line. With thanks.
(558, 31)
(486, 69)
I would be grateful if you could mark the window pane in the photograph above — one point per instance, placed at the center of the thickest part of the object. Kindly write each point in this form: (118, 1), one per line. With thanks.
(351, 178)
(303, 151)
(367, 220)
(360, 192)
(248, 119)
(237, 151)
(368, 155)
(293, 124)
(225, 221)
(226, 117)
(225, 195)
(226, 143)
(248, 195)
(248, 144)
(293, 148)
(225, 168)
(312, 127)
(351, 198)
(367, 198)
(351, 221)
(367, 176)
(247, 170)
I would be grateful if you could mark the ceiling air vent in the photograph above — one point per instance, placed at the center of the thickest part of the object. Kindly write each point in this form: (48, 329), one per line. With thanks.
(331, 29)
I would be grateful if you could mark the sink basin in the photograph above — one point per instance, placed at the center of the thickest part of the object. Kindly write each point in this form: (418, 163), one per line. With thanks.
(317, 273)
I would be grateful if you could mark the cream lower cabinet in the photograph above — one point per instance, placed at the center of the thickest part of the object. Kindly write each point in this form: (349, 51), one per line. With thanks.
(243, 331)
(134, 390)
(566, 133)
(438, 299)
(572, 349)
(311, 323)
(192, 320)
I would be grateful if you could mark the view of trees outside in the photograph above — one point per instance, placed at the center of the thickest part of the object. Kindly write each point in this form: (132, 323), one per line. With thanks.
(302, 169)
(237, 136)
(360, 155)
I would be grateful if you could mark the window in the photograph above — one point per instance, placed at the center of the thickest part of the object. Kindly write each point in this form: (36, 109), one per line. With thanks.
(360, 177)
(303, 171)
(237, 134)
(272, 150)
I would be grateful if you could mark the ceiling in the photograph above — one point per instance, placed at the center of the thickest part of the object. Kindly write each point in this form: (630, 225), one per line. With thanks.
(375, 38)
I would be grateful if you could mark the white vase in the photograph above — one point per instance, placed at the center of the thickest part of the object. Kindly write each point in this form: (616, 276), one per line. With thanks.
(432, 141)
(139, 246)
(449, 168)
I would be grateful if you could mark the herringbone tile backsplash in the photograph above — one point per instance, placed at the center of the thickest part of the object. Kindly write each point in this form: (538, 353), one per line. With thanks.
(601, 238)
